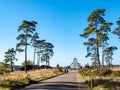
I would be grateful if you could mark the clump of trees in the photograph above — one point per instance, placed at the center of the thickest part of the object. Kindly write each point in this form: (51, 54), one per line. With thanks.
(97, 33)
(29, 37)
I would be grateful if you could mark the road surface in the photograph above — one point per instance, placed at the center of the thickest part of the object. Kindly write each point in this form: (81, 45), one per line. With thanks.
(70, 81)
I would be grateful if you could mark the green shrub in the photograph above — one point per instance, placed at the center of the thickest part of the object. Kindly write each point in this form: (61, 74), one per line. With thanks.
(115, 73)
(5, 83)
(4, 88)
(100, 87)
(7, 70)
(60, 69)
(101, 72)
(88, 82)
(85, 71)
(1, 73)
(105, 72)
(3, 69)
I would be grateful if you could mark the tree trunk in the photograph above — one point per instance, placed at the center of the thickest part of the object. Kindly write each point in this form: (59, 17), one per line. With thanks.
(26, 55)
(26, 59)
(97, 47)
(38, 58)
(11, 66)
(46, 64)
(34, 59)
(102, 54)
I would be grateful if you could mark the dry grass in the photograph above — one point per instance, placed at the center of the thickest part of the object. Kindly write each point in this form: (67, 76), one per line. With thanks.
(20, 78)
(31, 74)
(103, 79)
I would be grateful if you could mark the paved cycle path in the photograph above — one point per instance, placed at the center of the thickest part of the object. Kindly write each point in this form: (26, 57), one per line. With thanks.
(70, 81)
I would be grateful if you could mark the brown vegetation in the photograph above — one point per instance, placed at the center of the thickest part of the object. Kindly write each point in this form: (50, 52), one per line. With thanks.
(103, 78)
(20, 78)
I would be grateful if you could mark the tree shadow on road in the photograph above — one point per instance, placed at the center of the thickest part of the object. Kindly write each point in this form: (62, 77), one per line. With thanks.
(57, 86)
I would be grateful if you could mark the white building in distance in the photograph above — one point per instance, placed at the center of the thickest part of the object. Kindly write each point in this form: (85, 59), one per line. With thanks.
(75, 65)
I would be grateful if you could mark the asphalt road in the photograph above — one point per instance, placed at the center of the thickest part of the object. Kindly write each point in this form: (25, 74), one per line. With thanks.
(70, 81)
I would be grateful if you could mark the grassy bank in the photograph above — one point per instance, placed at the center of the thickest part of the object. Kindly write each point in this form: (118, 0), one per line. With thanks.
(103, 79)
(19, 78)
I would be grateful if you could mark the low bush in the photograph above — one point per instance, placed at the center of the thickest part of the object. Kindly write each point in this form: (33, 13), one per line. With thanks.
(105, 72)
(4, 88)
(4, 70)
(115, 73)
(60, 69)
(84, 71)
(95, 72)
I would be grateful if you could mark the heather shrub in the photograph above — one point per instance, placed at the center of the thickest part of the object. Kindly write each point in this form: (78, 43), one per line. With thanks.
(85, 71)
(115, 73)
(60, 69)
(105, 72)
(4, 70)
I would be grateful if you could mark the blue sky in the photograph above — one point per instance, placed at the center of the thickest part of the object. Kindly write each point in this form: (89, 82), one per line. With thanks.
(59, 22)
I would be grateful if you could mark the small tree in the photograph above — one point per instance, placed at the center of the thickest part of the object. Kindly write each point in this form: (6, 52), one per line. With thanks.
(103, 37)
(10, 57)
(29, 62)
(108, 55)
(40, 49)
(48, 53)
(91, 50)
(34, 39)
(117, 30)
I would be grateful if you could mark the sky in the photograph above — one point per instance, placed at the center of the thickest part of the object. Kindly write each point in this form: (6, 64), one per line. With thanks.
(59, 22)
